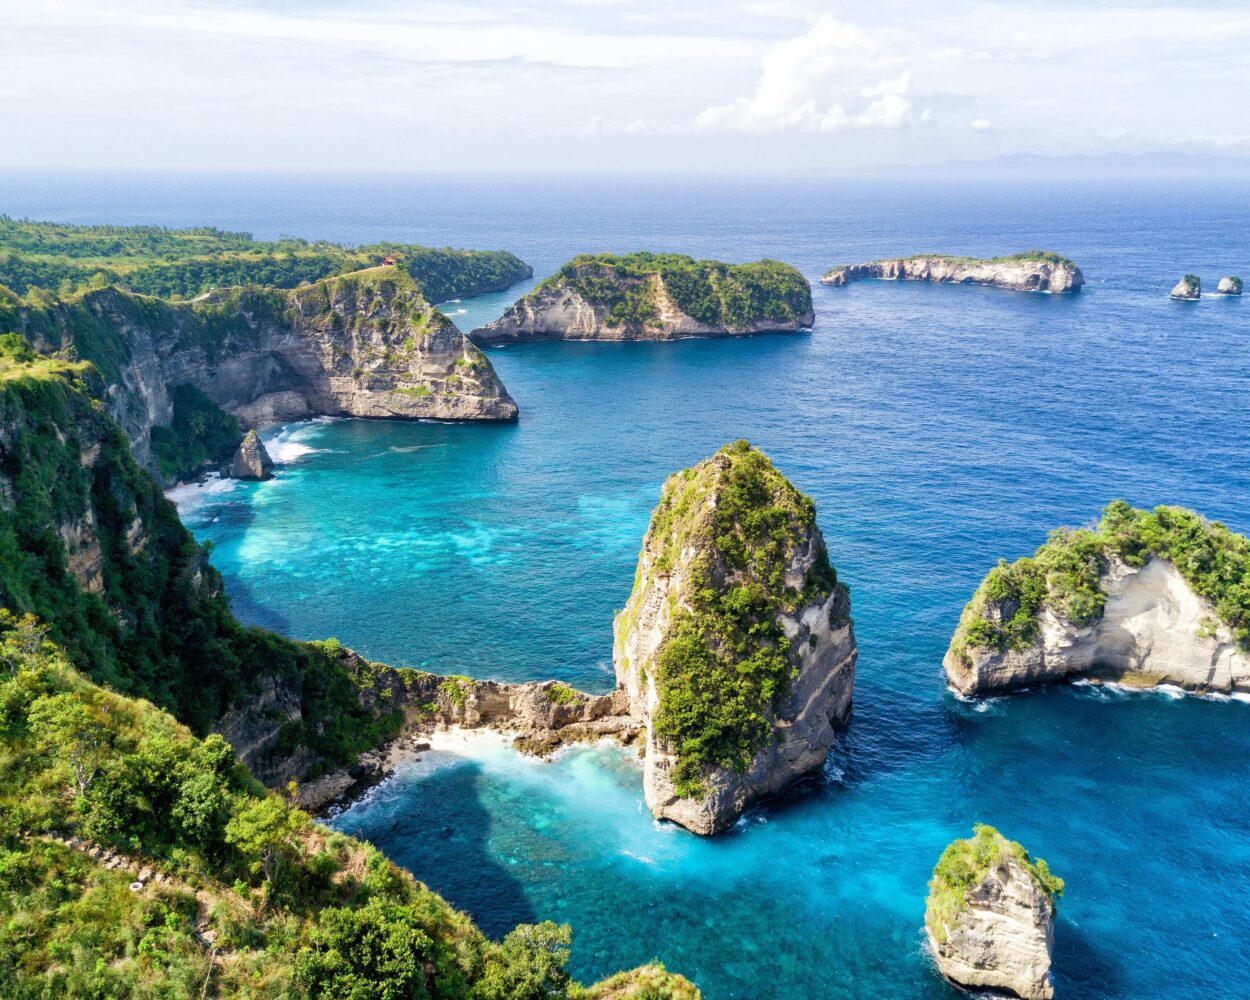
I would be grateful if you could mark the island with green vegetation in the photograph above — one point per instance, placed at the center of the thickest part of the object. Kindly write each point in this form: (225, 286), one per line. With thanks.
(1188, 289)
(736, 646)
(990, 916)
(184, 263)
(650, 296)
(1030, 271)
(1230, 285)
(1144, 598)
(366, 344)
(139, 854)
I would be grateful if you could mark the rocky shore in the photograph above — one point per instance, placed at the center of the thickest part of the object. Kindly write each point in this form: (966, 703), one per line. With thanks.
(1038, 271)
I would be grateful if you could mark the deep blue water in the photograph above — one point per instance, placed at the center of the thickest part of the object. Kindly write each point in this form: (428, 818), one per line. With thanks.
(937, 428)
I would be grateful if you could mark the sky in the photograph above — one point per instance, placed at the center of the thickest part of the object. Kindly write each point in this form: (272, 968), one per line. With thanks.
(718, 86)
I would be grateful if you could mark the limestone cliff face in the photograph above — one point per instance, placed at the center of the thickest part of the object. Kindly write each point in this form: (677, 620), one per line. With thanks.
(994, 929)
(1153, 630)
(590, 299)
(682, 644)
(365, 344)
(1229, 286)
(1055, 275)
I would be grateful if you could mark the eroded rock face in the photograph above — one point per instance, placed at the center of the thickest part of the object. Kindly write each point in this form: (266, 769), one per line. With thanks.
(1040, 275)
(365, 344)
(1188, 288)
(557, 310)
(251, 460)
(1229, 286)
(998, 931)
(673, 642)
(1153, 630)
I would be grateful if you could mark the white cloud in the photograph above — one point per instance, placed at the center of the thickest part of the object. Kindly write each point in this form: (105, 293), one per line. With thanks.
(981, 125)
(805, 81)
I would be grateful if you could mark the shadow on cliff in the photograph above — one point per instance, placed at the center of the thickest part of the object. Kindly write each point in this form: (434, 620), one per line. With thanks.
(438, 828)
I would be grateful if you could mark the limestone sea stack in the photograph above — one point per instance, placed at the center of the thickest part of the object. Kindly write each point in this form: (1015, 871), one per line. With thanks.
(990, 916)
(251, 460)
(1145, 598)
(1188, 289)
(736, 646)
(1031, 271)
(646, 296)
(1229, 286)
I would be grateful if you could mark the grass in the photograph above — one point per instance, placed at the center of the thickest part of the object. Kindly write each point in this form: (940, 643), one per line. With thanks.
(965, 864)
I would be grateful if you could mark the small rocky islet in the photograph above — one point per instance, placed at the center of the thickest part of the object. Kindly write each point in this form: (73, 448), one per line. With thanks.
(989, 918)
(1030, 271)
(650, 296)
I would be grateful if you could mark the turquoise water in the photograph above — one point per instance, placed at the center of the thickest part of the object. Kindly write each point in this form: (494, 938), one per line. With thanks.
(937, 428)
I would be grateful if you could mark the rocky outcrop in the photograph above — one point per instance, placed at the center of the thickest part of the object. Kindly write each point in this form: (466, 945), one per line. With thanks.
(735, 648)
(1229, 286)
(251, 460)
(540, 716)
(1188, 289)
(656, 297)
(990, 916)
(364, 344)
(1131, 616)
(1028, 272)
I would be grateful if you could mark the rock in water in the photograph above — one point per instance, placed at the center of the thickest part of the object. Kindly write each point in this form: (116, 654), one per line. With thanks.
(990, 916)
(1031, 271)
(1148, 597)
(646, 296)
(1188, 288)
(736, 646)
(251, 461)
(1229, 286)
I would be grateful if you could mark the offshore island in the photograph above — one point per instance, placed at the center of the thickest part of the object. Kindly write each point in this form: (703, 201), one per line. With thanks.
(1030, 271)
(647, 296)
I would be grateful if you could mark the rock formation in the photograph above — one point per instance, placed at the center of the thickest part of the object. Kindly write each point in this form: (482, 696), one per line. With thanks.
(251, 461)
(1033, 271)
(1188, 288)
(1135, 601)
(735, 648)
(1229, 286)
(990, 916)
(364, 344)
(656, 297)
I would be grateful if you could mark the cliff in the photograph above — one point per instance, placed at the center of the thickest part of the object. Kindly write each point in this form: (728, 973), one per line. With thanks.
(1032, 271)
(92, 547)
(735, 648)
(1188, 289)
(1229, 286)
(990, 916)
(646, 296)
(1148, 597)
(366, 344)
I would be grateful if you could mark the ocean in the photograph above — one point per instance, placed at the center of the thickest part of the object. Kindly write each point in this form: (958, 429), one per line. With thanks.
(938, 429)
